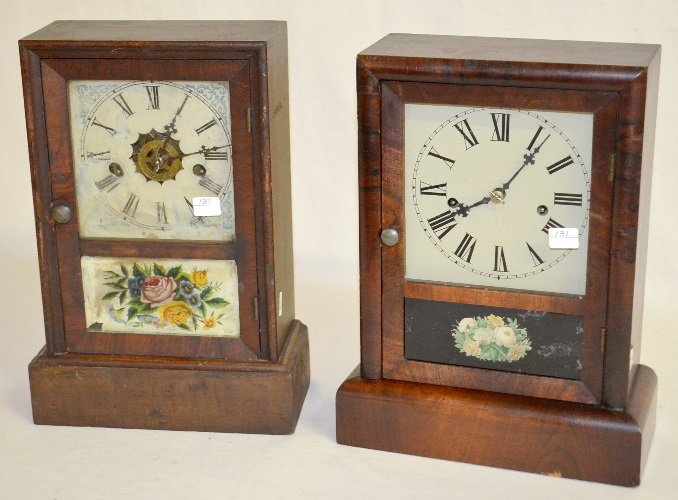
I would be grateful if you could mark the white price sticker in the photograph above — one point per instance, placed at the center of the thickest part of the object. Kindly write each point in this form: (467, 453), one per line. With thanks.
(563, 237)
(206, 206)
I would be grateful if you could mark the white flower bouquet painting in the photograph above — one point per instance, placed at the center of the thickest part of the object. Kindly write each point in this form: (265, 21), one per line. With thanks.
(492, 338)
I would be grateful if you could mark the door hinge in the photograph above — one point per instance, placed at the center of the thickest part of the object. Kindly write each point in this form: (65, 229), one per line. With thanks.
(603, 334)
(256, 308)
(613, 162)
(249, 120)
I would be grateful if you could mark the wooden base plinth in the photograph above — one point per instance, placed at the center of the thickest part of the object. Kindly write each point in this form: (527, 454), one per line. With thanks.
(512, 432)
(214, 396)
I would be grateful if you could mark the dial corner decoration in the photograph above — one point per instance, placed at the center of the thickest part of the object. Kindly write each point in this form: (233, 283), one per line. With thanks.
(143, 149)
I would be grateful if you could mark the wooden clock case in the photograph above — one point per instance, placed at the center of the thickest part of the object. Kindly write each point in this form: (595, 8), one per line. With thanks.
(252, 384)
(595, 429)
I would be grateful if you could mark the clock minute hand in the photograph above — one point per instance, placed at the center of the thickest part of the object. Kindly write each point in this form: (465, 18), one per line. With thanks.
(169, 130)
(202, 150)
(528, 160)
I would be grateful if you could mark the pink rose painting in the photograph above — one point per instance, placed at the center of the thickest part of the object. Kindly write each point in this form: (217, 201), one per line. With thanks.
(148, 294)
(157, 290)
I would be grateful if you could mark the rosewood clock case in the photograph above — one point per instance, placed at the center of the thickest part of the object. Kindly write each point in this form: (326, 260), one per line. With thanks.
(595, 427)
(253, 382)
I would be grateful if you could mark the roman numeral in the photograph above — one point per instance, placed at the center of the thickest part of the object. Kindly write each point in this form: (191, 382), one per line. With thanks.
(535, 256)
(435, 154)
(216, 155)
(153, 96)
(120, 101)
(500, 260)
(207, 125)
(444, 223)
(560, 164)
(432, 189)
(131, 206)
(108, 183)
(536, 136)
(104, 155)
(567, 199)
(465, 130)
(465, 249)
(162, 213)
(210, 185)
(551, 223)
(99, 124)
(501, 126)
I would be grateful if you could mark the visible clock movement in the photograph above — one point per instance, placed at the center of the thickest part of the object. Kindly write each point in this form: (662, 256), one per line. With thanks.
(503, 242)
(160, 166)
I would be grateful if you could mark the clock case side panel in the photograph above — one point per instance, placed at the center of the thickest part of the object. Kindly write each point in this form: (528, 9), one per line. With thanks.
(603, 105)
(630, 228)
(42, 200)
(274, 121)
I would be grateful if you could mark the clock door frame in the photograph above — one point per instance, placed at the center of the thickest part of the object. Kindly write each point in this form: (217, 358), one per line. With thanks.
(395, 289)
(248, 194)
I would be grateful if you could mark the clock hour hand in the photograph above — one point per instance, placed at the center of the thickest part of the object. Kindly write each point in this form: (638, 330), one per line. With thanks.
(463, 209)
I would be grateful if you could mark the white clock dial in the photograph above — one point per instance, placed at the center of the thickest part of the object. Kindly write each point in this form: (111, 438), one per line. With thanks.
(483, 186)
(143, 149)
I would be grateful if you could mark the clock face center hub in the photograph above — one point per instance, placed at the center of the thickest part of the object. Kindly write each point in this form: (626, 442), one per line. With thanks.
(157, 156)
(497, 195)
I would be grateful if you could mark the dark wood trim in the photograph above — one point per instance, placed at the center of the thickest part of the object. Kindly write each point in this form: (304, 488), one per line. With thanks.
(155, 69)
(42, 200)
(369, 196)
(163, 249)
(262, 199)
(560, 304)
(396, 367)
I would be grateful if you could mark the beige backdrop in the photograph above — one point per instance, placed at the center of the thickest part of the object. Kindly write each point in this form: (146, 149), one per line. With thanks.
(324, 37)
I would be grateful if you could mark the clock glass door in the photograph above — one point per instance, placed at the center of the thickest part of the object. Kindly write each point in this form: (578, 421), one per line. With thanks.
(487, 298)
(156, 260)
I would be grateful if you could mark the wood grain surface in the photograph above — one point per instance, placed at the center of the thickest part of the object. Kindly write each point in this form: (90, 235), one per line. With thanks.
(512, 432)
(173, 393)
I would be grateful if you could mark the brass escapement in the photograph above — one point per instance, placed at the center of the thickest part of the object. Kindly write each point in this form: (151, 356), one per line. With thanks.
(157, 156)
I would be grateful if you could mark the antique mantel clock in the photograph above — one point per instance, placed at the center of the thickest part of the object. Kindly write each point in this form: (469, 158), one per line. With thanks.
(160, 166)
(503, 243)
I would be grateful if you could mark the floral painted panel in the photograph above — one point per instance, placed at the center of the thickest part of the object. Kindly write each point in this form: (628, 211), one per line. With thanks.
(491, 338)
(495, 338)
(161, 296)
